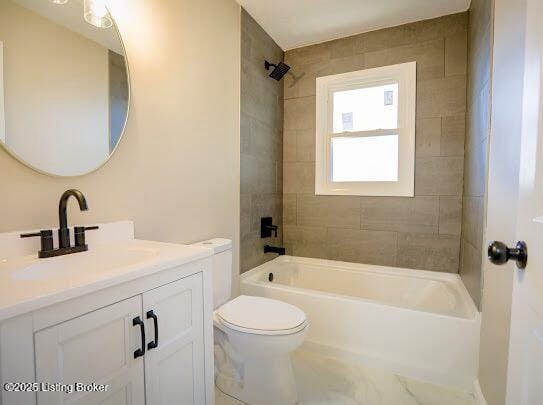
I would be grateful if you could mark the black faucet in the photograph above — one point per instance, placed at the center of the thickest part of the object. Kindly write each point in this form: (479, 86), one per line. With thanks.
(64, 248)
(274, 249)
(63, 230)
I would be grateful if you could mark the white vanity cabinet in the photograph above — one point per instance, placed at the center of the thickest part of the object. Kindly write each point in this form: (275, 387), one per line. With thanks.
(97, 338)
(97, 347)
(174, 370)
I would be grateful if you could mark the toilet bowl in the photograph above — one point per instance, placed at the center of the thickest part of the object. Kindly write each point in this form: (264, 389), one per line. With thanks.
(254, 337)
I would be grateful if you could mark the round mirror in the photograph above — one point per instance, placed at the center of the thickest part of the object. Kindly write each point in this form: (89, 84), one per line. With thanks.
(64, 84)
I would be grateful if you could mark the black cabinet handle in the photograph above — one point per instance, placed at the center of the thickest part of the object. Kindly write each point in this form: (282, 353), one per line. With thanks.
(141, 351)
(151, 314)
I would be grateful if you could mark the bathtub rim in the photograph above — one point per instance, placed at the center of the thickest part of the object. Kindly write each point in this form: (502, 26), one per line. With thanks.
(473, 315)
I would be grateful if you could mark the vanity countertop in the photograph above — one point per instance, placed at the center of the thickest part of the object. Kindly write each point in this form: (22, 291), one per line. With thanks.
(28, 283)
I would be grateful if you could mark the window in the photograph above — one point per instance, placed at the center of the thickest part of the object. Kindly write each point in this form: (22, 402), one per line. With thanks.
(366, 132)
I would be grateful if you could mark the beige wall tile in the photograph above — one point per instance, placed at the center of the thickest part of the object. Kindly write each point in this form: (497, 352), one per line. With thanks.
(289, 209)
(446, 26)
(473, 220)
(265, 181)
(248, 173)
(306, 241)
(328, 211)
(265, 143)
(261, 143)
(301, 81)
(456, 54)
(345, 47)
(308, 55)
(441, 97)
(252, 247)
(266, 205)
(480, 60)
(256, 102)
(372, 41)
(298, 178)
(300, 113)
(289, 146)
(450, 216)
(313, 250)
(305, 145)
(476, 170)
(428, 137)
(476, 143)
(340, 65)
(439, 176)
(453, 132)
(471, 265)
(245, 214)
(428, 55)
(279, 177)
(479, 117)
(256, 79)
(429, 252)
(304, 234)
(362, 246)
(480, 17)
(419, 214)
(407, 34)
(245, 132)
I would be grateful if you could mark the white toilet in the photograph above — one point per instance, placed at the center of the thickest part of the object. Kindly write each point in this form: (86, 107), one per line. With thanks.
(254, 337)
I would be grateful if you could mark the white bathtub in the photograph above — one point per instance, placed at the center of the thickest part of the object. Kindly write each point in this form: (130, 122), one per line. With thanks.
(419, 324)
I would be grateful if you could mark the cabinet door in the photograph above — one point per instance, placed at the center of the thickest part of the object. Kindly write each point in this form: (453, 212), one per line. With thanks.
(174, 370)
(95, 348)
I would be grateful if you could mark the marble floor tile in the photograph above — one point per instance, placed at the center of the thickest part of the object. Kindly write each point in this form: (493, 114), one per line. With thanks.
(324, 380)
(223, 399)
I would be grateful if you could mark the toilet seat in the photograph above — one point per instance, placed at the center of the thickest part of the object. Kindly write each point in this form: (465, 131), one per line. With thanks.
(261, 316)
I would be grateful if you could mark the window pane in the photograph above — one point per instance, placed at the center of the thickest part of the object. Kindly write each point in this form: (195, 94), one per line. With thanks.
(366, 109)
(372, 158)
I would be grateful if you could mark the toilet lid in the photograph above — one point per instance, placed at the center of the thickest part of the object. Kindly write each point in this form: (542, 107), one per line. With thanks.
(261, 315)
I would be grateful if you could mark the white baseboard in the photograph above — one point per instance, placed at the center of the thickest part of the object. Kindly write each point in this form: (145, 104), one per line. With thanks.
(478, 394)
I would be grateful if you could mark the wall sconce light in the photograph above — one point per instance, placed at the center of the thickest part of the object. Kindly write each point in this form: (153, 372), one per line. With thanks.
(96, 13)
(59, 1)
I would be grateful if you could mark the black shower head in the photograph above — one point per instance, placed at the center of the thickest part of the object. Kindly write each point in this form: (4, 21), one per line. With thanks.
(278, 71)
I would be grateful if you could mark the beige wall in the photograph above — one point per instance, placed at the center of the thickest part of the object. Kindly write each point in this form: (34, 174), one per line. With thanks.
(261, 143)
(421, 232)
(176, 171)
(476, 149)
(56, 93)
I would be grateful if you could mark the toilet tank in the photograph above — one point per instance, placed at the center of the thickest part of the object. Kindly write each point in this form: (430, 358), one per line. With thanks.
(222, 269)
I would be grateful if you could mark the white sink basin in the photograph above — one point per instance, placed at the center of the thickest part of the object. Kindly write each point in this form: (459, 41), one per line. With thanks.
(99, 261)
(28, 283)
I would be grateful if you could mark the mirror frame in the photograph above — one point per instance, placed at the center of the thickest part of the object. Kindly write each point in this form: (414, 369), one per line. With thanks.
(121, 136)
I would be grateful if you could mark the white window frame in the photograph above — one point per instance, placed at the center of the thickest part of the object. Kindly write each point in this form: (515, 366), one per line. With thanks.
(405, 75)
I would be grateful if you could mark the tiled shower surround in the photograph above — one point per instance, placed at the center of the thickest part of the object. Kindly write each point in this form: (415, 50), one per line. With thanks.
(477, 139)
(261, 142)
(421, 232)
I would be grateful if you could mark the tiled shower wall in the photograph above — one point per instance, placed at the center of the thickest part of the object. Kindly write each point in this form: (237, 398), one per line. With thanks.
(476, 150)
(421, 232)
(261, 142)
